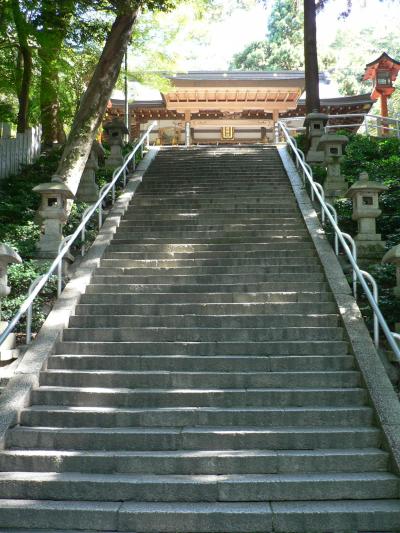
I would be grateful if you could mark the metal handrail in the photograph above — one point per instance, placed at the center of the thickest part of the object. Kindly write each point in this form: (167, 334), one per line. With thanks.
(384, 122)
(55, 265)
(359, 273)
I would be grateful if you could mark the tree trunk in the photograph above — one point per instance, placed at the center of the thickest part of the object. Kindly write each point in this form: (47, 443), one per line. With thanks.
(311, 57)
(24, 68)
(49, 101)
(55, 19)
(94, 102)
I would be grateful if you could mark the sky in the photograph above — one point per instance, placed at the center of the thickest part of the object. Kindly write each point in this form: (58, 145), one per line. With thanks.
(233, 34)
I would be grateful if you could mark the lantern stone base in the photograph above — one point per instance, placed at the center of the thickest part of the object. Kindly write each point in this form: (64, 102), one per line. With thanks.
(7, 350)
(335, 188)
(370, 246)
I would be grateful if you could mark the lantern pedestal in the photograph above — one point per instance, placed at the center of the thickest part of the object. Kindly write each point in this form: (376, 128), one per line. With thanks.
(315, 124)
(365, 197)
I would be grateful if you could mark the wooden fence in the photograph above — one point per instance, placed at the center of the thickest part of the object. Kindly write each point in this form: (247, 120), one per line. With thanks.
(21, 150)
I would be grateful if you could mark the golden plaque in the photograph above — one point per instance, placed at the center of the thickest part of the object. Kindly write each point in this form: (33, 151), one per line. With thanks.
(227, 133)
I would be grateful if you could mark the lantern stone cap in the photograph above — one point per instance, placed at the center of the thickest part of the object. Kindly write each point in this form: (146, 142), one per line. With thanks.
(116, 124)
(332, 138)
(54, 187)
(11, 256)
(316, 116)
(392, 255)
(365, 184)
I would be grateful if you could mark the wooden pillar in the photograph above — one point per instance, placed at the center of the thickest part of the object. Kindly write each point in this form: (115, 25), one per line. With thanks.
(188, 117)
(275, 117)
(384, 113)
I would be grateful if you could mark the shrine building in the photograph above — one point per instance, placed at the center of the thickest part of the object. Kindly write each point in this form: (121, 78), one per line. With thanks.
(211, 107)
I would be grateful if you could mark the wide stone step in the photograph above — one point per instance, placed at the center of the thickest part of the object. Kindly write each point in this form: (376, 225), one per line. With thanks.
(211, 488)
(194, 438)
(127, 237)
(375, 516)
(181, 225)
(202, 334)
(292, 363)
(191, 380)
(212, 279)
(198, 220)
(224, 264)
(202, 321)
(183, 462)
(283, 397)
(269, 309)
(185, 287)
(200, 416)
(166, 251)
(203, 270)
(192, 201)
(263, 246)
(206, 297)
(310, 347)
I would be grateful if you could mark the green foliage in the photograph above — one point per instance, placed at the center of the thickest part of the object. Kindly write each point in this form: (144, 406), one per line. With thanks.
(283, 47)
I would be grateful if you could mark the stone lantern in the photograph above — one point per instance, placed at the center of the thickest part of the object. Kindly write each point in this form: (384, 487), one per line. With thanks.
(365, 197)
(333, 147)
(315, 124)
(7, 257)
(115, 130)
(53, 211)
(383, 72)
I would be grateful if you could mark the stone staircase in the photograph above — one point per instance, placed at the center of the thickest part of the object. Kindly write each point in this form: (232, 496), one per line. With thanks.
(205, 383)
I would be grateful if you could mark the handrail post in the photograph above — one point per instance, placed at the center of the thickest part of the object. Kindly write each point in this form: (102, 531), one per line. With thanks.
(374, 285)
(56, 265)
(361, 276)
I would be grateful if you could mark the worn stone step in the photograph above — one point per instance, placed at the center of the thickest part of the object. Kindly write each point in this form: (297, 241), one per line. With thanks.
(196, 288)
(204, 297)
(320, 347)
(196, 462)
(191, 380)
(194, 438)
(212, 279)
(123, 274)
(211, 488)
(127, 237)
(205, 416)
(202, 334)
(292, 363)
(225, 264)
(185, 219)
(227, 258)
(57, 515)
(124, 260)
(283, 397)
(374, 516)
(282, 247)
(206, 321)
(269, 309)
